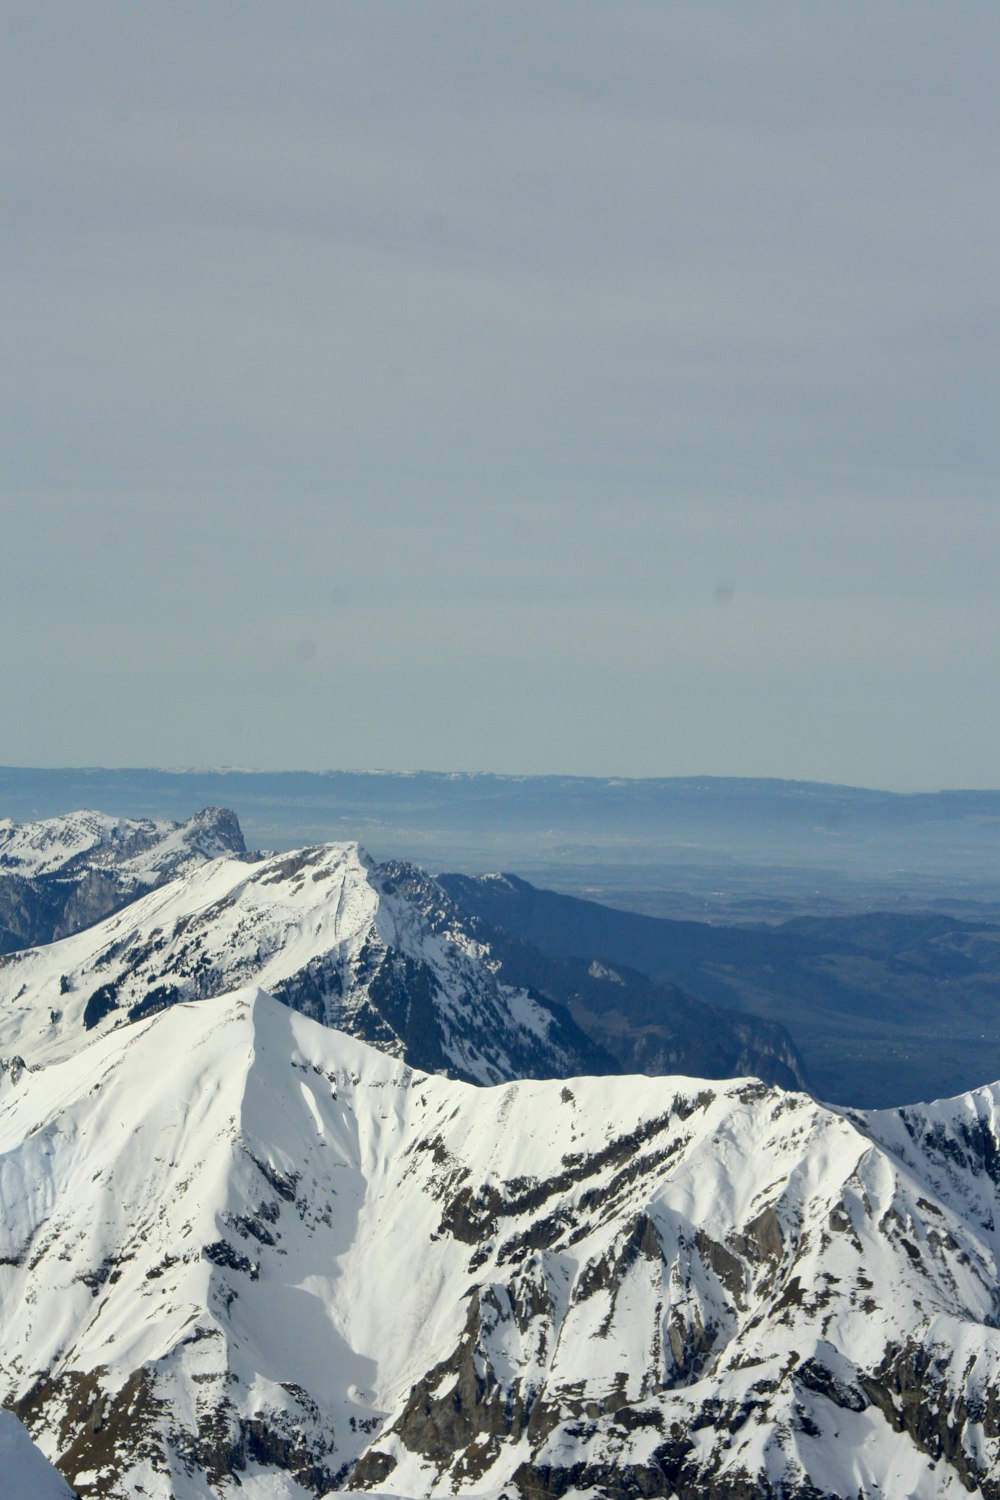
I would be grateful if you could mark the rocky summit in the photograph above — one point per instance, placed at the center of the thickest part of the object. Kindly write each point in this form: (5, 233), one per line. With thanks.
(60, 874)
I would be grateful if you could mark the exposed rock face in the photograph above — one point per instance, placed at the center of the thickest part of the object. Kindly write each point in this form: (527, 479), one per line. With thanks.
(60, 875)
(241, 1253)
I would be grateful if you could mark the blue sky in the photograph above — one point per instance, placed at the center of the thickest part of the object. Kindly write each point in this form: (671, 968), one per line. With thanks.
(557, 387)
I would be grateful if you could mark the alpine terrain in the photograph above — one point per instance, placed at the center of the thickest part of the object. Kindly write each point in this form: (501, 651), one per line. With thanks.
(60, 874)
(326, 931)
(243, 1252)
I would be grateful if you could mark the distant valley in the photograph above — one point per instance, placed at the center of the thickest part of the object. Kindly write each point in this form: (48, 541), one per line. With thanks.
(884, 1008)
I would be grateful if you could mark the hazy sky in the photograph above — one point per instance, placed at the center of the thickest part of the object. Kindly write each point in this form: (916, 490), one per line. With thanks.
(599, 388)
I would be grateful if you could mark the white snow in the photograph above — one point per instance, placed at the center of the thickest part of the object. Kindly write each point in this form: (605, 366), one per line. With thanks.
(25, 1472)
(158, 1140)
(236, 1215)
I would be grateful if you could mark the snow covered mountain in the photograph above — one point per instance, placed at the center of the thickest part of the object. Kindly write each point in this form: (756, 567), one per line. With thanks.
(382, 951)
(325, 930)
(61, 874)
(243, 1253)
(25, 1472)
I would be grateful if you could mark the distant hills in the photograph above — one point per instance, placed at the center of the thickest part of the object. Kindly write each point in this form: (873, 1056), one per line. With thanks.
(883, 1007)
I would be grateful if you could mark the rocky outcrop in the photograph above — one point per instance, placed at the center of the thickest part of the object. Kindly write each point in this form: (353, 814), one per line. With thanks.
(61, 875)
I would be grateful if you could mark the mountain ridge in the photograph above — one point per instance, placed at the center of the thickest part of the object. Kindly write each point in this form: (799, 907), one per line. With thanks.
(380, 950)
(322, 930)
(629, 1285)
(61, 874)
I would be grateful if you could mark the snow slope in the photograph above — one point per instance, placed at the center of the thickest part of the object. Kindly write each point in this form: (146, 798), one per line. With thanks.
(325, 930)
(25, 1473)
(243, 1253)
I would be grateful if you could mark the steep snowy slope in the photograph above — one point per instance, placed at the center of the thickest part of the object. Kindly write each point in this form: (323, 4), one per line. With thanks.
(58, 875)
(297, 923)
(240, 1246)
(325, 930)
(25, 1473)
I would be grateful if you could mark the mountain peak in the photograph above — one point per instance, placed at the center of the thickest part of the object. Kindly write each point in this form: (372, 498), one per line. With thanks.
(259, 1249)
(60, 874)
(65, 844)
(376, 951)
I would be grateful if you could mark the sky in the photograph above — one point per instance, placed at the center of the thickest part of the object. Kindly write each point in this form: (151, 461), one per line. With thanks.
(600, 389)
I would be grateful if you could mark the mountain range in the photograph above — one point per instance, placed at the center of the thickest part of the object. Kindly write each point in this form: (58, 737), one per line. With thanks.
(379, 950)
(303, 1191)
(871, 1008)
